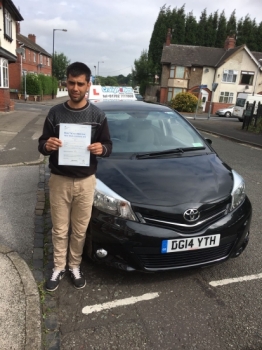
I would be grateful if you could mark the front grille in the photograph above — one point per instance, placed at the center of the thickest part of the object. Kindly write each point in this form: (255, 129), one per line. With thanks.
(209, 214)
(182, 259)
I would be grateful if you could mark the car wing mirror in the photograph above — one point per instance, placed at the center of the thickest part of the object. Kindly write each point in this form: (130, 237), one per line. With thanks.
(209, 141)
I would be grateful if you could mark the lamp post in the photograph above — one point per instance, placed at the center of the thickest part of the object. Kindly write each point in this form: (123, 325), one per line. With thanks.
(62, 30)
(258, 68)
(95, 75)
(25, 85)
(98, 67)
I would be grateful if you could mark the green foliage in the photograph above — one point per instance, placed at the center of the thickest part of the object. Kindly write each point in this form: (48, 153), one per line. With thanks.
(232, 24)
(108, 81)
(60, 63)
(33, 85)
(143, 71)
(191, 29)
(256, 129)
(47, 84)
(184, 102)
(159, 37)
(38, 84)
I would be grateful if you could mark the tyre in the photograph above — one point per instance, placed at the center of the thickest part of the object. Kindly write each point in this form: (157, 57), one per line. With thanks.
(227, 114)
(240, 119)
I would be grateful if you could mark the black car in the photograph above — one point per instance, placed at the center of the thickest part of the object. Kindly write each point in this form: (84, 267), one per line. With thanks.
(164, 199)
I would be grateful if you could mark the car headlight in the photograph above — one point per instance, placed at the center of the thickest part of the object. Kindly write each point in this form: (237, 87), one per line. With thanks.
(110, 202)
(239, 190)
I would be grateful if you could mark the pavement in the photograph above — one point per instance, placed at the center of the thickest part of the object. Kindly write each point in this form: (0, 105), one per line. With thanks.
(21, 313)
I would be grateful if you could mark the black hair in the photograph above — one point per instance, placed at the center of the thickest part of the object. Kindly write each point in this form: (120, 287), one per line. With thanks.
(78, 68)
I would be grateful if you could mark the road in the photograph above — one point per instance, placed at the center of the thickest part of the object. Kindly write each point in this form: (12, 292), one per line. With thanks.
(185, 310)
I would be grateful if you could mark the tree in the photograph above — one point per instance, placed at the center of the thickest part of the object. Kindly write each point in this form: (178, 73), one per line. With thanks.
(259, 37)
(190, 29)
(158, 38)
(143, 71)
(202, 29)
(232, 24)
(109, 81)
(221, 30)
(178, 23)
(247, 32)
(60, 63)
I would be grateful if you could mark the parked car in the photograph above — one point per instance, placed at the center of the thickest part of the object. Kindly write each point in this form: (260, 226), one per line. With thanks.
(164, 199)
(226, 112)
(139, 97)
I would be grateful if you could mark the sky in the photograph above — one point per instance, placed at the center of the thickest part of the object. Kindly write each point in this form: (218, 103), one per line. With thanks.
(109, 35)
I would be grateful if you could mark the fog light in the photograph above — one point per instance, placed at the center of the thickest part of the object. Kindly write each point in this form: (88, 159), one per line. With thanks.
(101, 253)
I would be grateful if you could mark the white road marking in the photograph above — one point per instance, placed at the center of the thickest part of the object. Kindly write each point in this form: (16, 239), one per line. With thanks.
(8, 132)
(121, 302)
(235, 280)
(36, 135)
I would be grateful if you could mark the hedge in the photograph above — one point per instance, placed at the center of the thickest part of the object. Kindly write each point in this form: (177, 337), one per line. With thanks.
(39, 84)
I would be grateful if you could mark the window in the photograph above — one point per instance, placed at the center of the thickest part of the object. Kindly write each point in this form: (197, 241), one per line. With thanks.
(34, 56)
(226, 97)
(172, 92)
(247, 78)
(41, 59)
(8, 24)
(230, 76)
(23, 54)
(48, 61)
(3, 73)
(178, 72)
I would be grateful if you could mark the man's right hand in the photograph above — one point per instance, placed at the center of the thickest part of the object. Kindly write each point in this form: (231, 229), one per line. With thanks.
(52, 144)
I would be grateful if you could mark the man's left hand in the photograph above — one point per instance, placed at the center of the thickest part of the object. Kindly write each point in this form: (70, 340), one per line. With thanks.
(96, 148)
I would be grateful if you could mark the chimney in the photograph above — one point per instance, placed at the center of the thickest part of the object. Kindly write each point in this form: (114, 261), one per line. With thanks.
(31, 37)
(17, 27)
(168, 37)
(230, 42)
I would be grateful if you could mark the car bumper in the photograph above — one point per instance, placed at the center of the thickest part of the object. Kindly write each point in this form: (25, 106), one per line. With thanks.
(136, 246)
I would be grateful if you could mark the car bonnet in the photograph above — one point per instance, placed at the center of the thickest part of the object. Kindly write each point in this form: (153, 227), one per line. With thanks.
(168, 182)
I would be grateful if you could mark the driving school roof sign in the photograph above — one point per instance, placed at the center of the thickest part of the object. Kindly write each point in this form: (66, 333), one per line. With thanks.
(115, 93)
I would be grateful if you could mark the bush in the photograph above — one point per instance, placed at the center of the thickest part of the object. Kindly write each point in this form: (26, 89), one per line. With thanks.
(184, 102)
(39, 84)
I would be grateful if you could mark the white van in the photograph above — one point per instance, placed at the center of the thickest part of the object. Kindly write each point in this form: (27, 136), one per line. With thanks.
(240, 106)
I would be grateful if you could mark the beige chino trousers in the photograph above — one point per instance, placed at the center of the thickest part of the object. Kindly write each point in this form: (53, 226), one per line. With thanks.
(71, 201)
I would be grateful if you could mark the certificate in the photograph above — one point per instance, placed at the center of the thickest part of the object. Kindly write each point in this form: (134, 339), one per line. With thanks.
(75, 140)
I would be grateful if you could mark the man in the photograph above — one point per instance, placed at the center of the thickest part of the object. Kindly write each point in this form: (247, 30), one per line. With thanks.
(72, 187)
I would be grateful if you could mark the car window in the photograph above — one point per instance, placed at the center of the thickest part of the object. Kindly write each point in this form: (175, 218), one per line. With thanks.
(140, 131)
(240, 102)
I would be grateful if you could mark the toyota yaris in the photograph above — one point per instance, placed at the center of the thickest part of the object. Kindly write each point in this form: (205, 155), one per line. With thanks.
(164, 199)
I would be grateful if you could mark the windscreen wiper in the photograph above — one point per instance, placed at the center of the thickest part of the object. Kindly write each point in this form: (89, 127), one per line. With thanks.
(167, 152)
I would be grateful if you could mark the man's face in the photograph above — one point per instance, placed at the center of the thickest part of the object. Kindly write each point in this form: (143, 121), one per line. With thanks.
(77, 87)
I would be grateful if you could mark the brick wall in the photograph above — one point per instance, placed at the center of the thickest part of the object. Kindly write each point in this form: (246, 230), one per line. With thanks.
(28, 65)
(6, 104)
(195, 77)
(14, 76)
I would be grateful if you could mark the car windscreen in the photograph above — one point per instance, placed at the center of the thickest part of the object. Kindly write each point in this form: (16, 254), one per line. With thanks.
(150, 131)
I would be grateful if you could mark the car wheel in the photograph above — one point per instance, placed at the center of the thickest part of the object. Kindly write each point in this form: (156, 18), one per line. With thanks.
(228, 114)
(241, 119)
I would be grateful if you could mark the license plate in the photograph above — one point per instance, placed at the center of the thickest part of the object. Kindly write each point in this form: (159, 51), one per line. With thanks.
(183, 244)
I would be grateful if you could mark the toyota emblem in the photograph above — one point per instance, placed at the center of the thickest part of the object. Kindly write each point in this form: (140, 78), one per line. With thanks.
(191, 215)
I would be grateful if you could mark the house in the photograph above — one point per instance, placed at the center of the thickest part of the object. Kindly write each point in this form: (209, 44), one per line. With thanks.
(218, 74)
(9, 15)
(31, 58)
